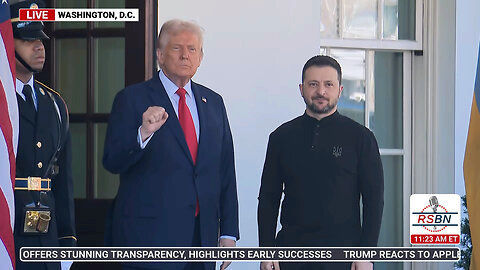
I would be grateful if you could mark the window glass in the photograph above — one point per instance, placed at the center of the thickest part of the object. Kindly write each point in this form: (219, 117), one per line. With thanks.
(71, 72)
(386, 113)
(110, 4)
(390, 19)
(352, 100)
(406, 20)
(360, 19)
(110, 71)
(329, 19)
(71, 4)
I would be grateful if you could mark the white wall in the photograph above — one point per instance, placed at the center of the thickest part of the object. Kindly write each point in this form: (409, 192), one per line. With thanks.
(254, 54)
(467, 40)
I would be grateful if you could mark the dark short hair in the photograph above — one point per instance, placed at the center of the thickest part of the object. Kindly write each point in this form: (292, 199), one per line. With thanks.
(321, 61)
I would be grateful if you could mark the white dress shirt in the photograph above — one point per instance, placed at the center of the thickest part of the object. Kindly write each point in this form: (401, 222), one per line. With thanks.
(19, 88)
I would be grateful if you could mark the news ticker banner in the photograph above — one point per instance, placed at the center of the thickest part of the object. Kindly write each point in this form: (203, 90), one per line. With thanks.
(79, 14)
(321, 254)
(435, 219)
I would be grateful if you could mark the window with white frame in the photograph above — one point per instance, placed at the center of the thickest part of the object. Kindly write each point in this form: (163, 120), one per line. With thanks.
(373, 24)
(373, 40)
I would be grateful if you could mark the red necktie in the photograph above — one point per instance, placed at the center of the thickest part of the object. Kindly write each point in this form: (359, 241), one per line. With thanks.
(186, 122)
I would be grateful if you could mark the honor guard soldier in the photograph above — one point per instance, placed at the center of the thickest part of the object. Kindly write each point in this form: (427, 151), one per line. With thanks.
(44, 212)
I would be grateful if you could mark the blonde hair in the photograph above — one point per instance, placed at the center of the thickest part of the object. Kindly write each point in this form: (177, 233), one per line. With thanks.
(176, 26)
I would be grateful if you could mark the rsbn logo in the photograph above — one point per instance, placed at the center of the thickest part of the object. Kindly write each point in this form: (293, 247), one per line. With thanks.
(434, 219)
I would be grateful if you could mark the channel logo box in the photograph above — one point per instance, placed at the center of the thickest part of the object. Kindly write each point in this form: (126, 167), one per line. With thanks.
(435, 219)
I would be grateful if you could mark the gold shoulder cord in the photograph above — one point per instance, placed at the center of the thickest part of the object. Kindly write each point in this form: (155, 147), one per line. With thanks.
(55, 92)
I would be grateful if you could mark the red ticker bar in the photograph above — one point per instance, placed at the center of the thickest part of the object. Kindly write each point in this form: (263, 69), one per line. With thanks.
(428, 239)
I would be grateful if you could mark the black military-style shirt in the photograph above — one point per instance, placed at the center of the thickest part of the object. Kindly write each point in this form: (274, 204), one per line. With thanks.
(322, 168)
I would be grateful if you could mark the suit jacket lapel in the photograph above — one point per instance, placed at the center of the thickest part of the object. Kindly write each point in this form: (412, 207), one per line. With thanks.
(202, 108)
(160, 98)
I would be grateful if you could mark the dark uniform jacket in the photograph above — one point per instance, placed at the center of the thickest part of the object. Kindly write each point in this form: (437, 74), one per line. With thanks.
(322, 168)
(41, 134)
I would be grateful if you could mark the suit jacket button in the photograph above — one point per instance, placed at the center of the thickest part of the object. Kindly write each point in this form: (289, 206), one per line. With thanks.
(40, 165)
(39, 144)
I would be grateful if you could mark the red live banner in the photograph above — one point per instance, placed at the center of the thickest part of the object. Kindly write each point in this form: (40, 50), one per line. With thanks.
(47, 14)
(429, 239)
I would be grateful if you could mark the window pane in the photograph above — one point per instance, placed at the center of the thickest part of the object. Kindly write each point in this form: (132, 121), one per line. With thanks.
(71, 72)
(390, 19)
(391, 232)
(110, 4)
(352, 100)
(406, 20)
(360, 19)
(386, 114)
(110, 71)
(79, 157)
(399, 20)
(106, 184)
(329, 19)
(71, 4)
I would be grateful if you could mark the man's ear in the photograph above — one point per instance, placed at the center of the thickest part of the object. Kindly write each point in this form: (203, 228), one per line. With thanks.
(159, 57)
(300, 86)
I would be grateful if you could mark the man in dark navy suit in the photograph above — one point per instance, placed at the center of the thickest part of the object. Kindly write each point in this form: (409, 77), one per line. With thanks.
(44, 212)
(170, 141)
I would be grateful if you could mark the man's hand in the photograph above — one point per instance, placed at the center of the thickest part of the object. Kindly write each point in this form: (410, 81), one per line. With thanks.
(269, 266)
(362, 266)
(152, 120)
(224, 242)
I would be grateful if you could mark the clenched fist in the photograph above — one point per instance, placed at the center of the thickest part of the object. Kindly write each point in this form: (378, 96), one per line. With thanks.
(152, 120)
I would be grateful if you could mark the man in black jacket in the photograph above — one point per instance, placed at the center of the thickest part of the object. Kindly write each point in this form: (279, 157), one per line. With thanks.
(322, 161)
(44, 213)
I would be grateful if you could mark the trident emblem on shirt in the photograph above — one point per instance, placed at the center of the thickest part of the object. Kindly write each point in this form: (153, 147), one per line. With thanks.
(337, 151)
